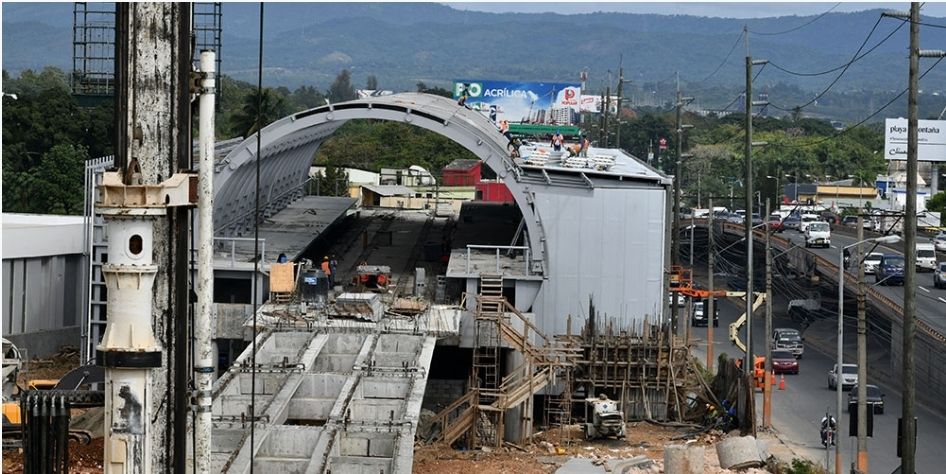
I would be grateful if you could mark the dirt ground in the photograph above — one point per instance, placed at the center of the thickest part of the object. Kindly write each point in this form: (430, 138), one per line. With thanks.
(548, 451)
(83, 459)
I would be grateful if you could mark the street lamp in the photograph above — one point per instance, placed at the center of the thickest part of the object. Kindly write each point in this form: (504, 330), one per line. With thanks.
(886, 239)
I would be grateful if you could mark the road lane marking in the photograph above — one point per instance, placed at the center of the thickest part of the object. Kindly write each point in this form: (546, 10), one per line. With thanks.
(941, 299)
(924, 289)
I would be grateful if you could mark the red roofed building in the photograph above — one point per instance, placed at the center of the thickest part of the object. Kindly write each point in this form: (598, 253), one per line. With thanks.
(462, 173)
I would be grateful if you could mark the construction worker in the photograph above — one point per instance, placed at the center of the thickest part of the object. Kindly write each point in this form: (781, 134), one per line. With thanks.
(557, 140)
(585, 143)
(327, 269)
(333, 265)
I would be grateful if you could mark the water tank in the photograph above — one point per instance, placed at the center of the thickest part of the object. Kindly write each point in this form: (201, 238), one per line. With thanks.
(313, 289)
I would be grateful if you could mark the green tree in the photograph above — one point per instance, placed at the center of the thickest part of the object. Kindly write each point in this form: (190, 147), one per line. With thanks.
(937, 202)
(306, 97)
(421, 87)
(247, 120)
(342, 89)
(332, 182)
(371, 83)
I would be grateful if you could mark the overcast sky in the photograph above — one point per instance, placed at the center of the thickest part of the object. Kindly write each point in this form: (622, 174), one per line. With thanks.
(726, 10)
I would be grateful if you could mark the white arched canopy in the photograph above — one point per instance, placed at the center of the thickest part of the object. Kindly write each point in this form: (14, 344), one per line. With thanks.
(289, 144)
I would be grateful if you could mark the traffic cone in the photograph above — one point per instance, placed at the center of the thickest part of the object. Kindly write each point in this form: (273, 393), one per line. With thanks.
(781, 383)
(772, 380)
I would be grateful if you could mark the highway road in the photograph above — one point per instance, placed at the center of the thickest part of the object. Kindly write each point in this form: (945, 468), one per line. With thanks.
(930, 302)
(797, 411)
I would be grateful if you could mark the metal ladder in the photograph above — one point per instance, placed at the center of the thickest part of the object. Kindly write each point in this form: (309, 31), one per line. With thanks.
(486, 349)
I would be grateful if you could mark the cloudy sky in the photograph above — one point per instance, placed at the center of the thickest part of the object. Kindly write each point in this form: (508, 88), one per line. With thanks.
(717, 9)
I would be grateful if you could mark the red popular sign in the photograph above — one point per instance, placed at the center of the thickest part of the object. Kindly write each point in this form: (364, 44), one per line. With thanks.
(662, 143)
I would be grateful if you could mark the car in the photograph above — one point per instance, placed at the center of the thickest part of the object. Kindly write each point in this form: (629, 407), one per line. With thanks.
(784, 362)
(791, 222)
(849, 221)
(874, 400)
(808, 219)
(818, 233)
(790, 340)
(939, 242)
(939, 276)
(925, 257)
(756, 219)
(700, 315)
(871, 261)
(774, 222)
(830, 217)
(890, 270)
(848, 376)
(680, 299)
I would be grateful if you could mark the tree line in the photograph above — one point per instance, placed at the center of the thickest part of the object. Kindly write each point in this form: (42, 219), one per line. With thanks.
(47, 137)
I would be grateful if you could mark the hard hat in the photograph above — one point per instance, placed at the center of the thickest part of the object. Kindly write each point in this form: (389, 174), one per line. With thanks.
(325, 257)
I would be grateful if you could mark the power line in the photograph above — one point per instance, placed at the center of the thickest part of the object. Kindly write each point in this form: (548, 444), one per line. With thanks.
(799, 26)
(821, 73)
(862, 122)
(836, 79)
(726, 59)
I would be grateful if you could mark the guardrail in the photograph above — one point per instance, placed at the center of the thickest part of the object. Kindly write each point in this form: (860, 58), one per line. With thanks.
(831, 272)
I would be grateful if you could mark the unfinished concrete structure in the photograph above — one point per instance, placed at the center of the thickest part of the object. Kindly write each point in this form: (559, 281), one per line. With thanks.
(332, 395)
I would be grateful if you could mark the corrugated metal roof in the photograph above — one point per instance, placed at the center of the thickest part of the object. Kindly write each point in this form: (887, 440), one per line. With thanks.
(389, 189)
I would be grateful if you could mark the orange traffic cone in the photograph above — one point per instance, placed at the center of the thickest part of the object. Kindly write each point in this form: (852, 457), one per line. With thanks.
(773, 378)
(781, 383)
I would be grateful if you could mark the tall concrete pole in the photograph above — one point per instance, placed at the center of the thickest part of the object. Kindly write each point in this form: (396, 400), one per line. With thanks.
(747, 365)
(861, 354)
(152, 113)
(908, 443)
(617, 137)
(767, 379)
(203, 330)
(675, 258)
(711, 305)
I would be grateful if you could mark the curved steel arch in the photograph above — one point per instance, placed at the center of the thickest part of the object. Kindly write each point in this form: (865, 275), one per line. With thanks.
(289, 144)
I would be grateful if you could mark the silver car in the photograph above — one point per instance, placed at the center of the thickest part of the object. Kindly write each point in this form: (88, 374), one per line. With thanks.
(871, 262)
(848, 376)
(939, 242)
(939, 276)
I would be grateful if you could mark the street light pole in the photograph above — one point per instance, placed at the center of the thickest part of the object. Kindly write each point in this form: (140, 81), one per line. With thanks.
(887, 239)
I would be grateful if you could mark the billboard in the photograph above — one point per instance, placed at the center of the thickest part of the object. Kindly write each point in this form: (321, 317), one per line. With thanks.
(592, 103)
(522, 102)
(931, 140)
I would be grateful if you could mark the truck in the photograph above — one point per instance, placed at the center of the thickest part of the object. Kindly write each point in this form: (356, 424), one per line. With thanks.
(925, 257)
(607, 419)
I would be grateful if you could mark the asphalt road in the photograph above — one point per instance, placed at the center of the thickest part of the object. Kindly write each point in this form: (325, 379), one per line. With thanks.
(797, 411)
(930, 301)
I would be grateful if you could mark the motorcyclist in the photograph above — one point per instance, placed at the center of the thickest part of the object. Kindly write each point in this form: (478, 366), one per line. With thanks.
(827, 422)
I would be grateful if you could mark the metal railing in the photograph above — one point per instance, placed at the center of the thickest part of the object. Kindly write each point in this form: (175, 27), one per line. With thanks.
(498, 251)
(220, 243)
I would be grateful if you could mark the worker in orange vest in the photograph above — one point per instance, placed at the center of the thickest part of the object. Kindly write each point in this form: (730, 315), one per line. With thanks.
(327, 269)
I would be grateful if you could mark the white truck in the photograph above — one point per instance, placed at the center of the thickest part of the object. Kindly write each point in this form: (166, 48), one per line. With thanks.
(817, 234)
(925, 256)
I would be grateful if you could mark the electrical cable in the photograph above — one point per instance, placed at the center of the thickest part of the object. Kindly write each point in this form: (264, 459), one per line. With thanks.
(256, 256)
(836, 79)
(726, 59)
(862, 122)
(838, 68)
(799, 26)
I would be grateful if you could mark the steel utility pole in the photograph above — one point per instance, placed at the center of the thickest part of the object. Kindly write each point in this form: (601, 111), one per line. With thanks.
(711, 304)
(767, 379)
(861, 354)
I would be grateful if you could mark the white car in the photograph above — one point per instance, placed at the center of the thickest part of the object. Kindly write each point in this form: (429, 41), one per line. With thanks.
(818, 233)
(939, 276)
(939, 242)
(848, 376)
(871, 262)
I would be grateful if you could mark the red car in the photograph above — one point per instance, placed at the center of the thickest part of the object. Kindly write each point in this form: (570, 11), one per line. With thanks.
(775, 223)
(784, 362)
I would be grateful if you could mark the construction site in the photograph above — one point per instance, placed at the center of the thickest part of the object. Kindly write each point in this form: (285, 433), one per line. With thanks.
(316, 334)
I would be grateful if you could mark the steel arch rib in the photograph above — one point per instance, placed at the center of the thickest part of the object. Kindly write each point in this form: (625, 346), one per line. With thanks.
(289, 144)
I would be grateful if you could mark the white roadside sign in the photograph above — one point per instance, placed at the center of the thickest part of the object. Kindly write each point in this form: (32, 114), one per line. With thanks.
(931, 140)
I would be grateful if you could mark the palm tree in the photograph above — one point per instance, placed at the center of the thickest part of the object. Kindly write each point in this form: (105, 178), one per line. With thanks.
(274, 106)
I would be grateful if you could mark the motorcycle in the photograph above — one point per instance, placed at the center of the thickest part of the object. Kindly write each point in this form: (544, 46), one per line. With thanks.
(828, 428)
